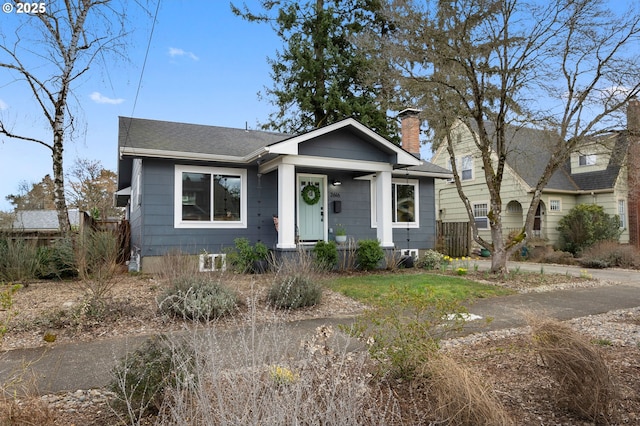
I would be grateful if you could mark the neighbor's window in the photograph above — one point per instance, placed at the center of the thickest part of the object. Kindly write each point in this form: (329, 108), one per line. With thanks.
(555, 206)
(622, 213)
(210, 197)
(466, 172)
(587, 160)
(480, 212)
(465, 167)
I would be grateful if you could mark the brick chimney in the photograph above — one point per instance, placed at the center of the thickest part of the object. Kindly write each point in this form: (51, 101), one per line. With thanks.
(410, 125)
(633, 169)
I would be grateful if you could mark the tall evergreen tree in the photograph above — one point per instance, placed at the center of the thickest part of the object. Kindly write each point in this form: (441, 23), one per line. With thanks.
(317, 77)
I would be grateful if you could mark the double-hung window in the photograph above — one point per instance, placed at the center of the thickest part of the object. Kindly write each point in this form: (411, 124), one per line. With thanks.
(480, 212)
(210, 197)
(465, 167)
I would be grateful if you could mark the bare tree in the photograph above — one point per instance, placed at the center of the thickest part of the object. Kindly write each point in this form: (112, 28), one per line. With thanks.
(91, 188)
(50, 51)
(565, 66)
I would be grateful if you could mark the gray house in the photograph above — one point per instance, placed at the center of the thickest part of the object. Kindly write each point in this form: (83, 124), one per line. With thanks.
(191, 187)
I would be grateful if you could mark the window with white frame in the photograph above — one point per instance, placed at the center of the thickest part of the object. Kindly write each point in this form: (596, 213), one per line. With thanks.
(555, 206)
(210, 197)
(587, 160)
(404, 203)
(622, 213)
(480, 212)
(466, 168)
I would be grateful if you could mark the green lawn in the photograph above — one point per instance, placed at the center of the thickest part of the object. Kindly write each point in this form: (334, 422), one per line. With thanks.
(372, 288)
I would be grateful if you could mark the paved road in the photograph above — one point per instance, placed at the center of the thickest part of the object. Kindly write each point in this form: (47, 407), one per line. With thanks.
(68, 367)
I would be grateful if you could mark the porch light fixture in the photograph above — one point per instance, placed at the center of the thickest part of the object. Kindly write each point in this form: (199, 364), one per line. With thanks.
(336, 182)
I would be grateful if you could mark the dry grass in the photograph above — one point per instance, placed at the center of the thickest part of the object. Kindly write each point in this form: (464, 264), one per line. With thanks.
(30, 411)
(584, 382)
(461, 397)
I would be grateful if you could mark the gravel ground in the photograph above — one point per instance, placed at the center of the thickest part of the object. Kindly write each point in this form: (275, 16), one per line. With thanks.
(620, 330)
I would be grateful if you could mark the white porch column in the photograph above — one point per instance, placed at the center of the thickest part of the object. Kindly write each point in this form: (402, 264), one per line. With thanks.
(286, 206)
(383, 209)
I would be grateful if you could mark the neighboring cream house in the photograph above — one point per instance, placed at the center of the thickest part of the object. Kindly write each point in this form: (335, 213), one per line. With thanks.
(597, 174)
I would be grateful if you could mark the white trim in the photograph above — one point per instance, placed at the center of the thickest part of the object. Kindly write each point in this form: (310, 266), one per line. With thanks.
(473, 206)
(324, 163)
(625, 213)
(290, 146)
(550, 202)
(182, 155)
(286, 206)
(396, 181)
(177, 199)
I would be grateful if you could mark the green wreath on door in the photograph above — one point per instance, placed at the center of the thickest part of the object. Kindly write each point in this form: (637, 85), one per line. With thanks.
(311, 194)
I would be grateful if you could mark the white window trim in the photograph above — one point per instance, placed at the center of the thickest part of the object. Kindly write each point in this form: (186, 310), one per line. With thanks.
(550, 202)
(589, 160)
(459, 161)
(473, 206)
(623, 223)
(136, 184)
(177, 198)
(397, 181)
(471, 168)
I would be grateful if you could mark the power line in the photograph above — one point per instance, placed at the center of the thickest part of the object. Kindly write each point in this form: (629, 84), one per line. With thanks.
(144, 65)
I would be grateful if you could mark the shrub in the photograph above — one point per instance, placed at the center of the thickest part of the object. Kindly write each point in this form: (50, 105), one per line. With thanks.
(610, 253)
(584, 382)
(403, 333)
(197, 297)
(326, 255)
(141, 377)
(586, 224)
(97, 260)
(431, 260)
(559, 257)
(264, 376)
(369, 254)
(294, 291)
(243, 255)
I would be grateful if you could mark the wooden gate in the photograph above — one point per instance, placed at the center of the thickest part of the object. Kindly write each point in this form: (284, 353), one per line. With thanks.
(454, 238)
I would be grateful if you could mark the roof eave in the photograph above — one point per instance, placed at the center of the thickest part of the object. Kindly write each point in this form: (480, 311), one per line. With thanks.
(191, 156)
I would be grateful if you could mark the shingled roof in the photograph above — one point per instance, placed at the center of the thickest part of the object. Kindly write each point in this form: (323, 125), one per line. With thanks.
(137, 133)
(528, 157)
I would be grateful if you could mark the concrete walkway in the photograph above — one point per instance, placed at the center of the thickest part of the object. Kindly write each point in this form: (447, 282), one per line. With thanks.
(68, 367)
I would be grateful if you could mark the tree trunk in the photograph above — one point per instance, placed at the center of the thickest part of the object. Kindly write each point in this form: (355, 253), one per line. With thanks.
(58, 180)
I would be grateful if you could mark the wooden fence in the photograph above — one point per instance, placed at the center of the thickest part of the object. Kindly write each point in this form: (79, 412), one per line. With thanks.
(454, 238)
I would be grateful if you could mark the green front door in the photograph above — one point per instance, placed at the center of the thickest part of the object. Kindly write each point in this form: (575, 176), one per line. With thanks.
(311, 200)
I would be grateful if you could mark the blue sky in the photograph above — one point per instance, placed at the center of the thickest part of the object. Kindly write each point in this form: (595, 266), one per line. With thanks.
(205, 66)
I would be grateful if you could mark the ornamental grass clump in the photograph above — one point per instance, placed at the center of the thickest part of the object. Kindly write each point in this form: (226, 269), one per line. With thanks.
(583, 381)
(197, 297)
(461, 396)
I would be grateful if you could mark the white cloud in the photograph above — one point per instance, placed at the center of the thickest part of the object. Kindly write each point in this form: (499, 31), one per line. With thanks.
(173, 52)
(99, 98)
(3, 105)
